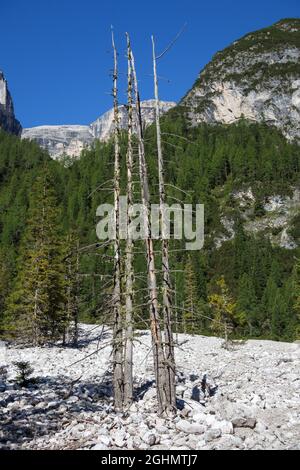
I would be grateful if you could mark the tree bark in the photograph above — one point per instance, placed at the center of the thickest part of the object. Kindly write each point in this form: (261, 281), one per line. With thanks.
(157, 344)
(76, 307)
(167, 287)
(118, 373)
(129, 271)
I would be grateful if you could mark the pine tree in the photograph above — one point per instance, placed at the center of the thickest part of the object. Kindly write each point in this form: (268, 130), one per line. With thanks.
(240, 251)
(279, 316)
(226, 315)
(72, 287)
(276, 273)
(247, 302)
(296, 298)
(5, 280)
(268, 306)
(36, 305)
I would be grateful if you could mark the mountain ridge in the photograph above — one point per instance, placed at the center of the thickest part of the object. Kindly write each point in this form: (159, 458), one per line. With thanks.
(256, 77)
(72, 139)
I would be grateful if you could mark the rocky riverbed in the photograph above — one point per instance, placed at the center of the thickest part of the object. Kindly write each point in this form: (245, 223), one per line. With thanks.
(245, 397)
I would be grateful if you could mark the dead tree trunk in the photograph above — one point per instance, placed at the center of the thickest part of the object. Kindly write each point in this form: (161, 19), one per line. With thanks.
(76, 307)
(167, 288)
(118, 375)
(129, 273)
(157, 344)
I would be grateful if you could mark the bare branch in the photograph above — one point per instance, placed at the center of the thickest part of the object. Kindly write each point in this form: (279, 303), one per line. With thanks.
(172, 42)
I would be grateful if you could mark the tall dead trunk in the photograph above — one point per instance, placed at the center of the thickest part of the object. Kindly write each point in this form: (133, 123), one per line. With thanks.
(118, 373)
(129, 272)
(76, 307)
(157, 344)
(167, 288)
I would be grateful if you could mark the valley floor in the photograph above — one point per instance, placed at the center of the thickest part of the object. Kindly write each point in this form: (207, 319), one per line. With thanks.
(251, 399)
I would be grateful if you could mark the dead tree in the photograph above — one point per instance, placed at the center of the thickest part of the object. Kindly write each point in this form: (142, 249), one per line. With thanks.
(118, 372)
(129, 272)
(167, 287)
(164, 403)
(76, 308)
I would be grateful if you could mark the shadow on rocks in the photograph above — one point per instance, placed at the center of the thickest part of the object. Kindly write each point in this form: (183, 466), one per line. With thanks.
(47, 407)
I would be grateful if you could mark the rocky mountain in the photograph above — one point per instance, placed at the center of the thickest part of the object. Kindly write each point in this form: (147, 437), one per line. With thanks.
(102, 128)
(256, 77)
(71, 140)
(276, 222)
(8, 122)
(59, 140)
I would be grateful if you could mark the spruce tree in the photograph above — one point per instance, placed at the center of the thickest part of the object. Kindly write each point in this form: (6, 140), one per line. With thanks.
(279, 316)
(227, 317)
(296, 299)
(37, 304)
(72, 286)
(269, 306)
(241, 260)
(5, 280)
(247, 302)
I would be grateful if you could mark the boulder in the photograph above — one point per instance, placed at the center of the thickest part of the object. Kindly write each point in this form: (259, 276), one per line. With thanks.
(150, 439)
(189, 428)
(225, 427)
(212, 434)
(119, 437)
(244, 423)
(99, 446)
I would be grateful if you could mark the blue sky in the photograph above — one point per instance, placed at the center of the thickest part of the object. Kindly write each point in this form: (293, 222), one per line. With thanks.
(56, 54)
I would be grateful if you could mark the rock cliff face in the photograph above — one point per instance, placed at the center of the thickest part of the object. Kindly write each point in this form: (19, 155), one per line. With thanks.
(8, 122)
(256, 78)
(59, 140)
(71, 140)
(103, 127)
(278, 220)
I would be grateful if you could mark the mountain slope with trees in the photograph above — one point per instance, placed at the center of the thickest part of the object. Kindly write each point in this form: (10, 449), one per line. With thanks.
(209, 163)
(245, 173)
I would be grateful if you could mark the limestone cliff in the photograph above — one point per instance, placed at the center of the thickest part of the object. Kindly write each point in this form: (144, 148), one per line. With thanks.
(8, 122)
(71, 140)
(256, 78)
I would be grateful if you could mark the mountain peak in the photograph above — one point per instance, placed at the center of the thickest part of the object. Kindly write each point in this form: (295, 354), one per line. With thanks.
(257, 78)
(71, 140)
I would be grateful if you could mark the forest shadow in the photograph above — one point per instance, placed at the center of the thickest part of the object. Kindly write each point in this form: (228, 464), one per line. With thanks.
(27, 420)
(140, 391)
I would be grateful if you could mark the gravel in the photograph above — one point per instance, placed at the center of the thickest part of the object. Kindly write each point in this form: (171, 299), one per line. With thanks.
(243, 398)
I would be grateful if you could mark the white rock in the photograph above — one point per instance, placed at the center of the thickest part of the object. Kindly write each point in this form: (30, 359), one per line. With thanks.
(106, 440)
(212, 434)
(150, 439)
(190, 428)
(137, 442)
(161, 429)
(119, 438)
(73, 399)
(225, 427)
(99, 446)
(260, 427)
(182, 441)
